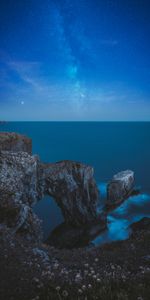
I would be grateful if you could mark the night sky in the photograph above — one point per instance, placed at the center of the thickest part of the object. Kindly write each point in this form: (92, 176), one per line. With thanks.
(75, 60)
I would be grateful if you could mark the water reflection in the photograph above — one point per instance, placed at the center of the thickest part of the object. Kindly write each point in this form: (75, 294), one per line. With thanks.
(50, 214)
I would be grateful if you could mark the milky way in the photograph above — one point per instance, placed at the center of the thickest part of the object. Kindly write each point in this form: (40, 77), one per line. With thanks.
(74, 60)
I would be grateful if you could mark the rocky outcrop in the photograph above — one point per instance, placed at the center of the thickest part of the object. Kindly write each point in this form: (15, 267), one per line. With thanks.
(25, 180)
(30, 269)
(120, 187)
(14, 142)
(19, 189)
(18, 177)
(73, 187)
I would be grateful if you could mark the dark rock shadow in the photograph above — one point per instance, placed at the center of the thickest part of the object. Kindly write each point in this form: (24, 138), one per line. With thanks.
(68, 236)
(109, 208)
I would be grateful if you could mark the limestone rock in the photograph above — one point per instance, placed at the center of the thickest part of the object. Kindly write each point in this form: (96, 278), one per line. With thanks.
(18, 176)
(120, 187)
(14, 142)
(19, 189)
(24, 180)
(73, 186)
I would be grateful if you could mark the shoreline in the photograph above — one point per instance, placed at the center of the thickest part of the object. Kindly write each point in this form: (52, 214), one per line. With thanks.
(33, 270)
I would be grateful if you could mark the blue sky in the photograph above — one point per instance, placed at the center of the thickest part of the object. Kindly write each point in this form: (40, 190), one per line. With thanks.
(75, 60)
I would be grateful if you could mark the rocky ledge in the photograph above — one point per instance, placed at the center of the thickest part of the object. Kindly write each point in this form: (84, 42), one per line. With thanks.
(31, 271)
(12, 141)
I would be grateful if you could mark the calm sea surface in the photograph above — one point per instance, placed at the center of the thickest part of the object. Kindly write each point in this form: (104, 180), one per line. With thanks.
(109, 147)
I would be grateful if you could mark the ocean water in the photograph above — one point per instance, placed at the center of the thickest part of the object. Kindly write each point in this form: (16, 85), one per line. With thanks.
(109, 147)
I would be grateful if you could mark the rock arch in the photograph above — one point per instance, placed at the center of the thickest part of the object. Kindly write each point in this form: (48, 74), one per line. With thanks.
(25, 180)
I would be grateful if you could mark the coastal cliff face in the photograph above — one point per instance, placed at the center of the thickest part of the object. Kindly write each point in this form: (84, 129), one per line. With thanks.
(10, 141)
(18, 191)
(32, 270)
(25, 180)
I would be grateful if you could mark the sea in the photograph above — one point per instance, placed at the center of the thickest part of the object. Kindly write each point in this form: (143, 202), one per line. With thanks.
(110, 147)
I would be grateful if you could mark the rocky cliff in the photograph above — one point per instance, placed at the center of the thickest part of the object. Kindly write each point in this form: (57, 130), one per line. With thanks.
(73, 187)
(15, 142)
(31, 270)
(25, 180)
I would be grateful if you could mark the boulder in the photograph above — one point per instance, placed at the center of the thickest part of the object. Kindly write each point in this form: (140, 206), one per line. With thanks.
(14, 142)
(120, 187)
(73, 187)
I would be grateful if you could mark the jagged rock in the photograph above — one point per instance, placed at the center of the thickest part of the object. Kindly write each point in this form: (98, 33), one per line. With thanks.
(14, 142)
(120, 187)
(73, 187)
(18, 177)
(20, 219)
(24, 181)
(30, 228)
(19, 189)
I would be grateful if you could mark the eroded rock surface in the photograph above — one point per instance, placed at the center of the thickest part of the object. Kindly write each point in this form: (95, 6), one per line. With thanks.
(25, 180)
(120, 187)
(19, 189)
(73, 186)
(18, 176)
(14, 142)
(32, 270)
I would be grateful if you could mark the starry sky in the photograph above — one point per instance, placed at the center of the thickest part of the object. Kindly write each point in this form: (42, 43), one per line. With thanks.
(75, 60)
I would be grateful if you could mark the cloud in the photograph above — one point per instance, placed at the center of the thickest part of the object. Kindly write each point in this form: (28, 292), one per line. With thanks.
(28, 71)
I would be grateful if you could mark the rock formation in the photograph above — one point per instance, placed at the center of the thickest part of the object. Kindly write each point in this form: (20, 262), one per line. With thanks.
(15, 142)
(25, 180)
(30, 269)
(73, 187)
(18, 191)
(120, 187)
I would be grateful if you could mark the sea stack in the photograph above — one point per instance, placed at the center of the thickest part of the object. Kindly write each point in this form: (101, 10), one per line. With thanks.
(120, 187)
